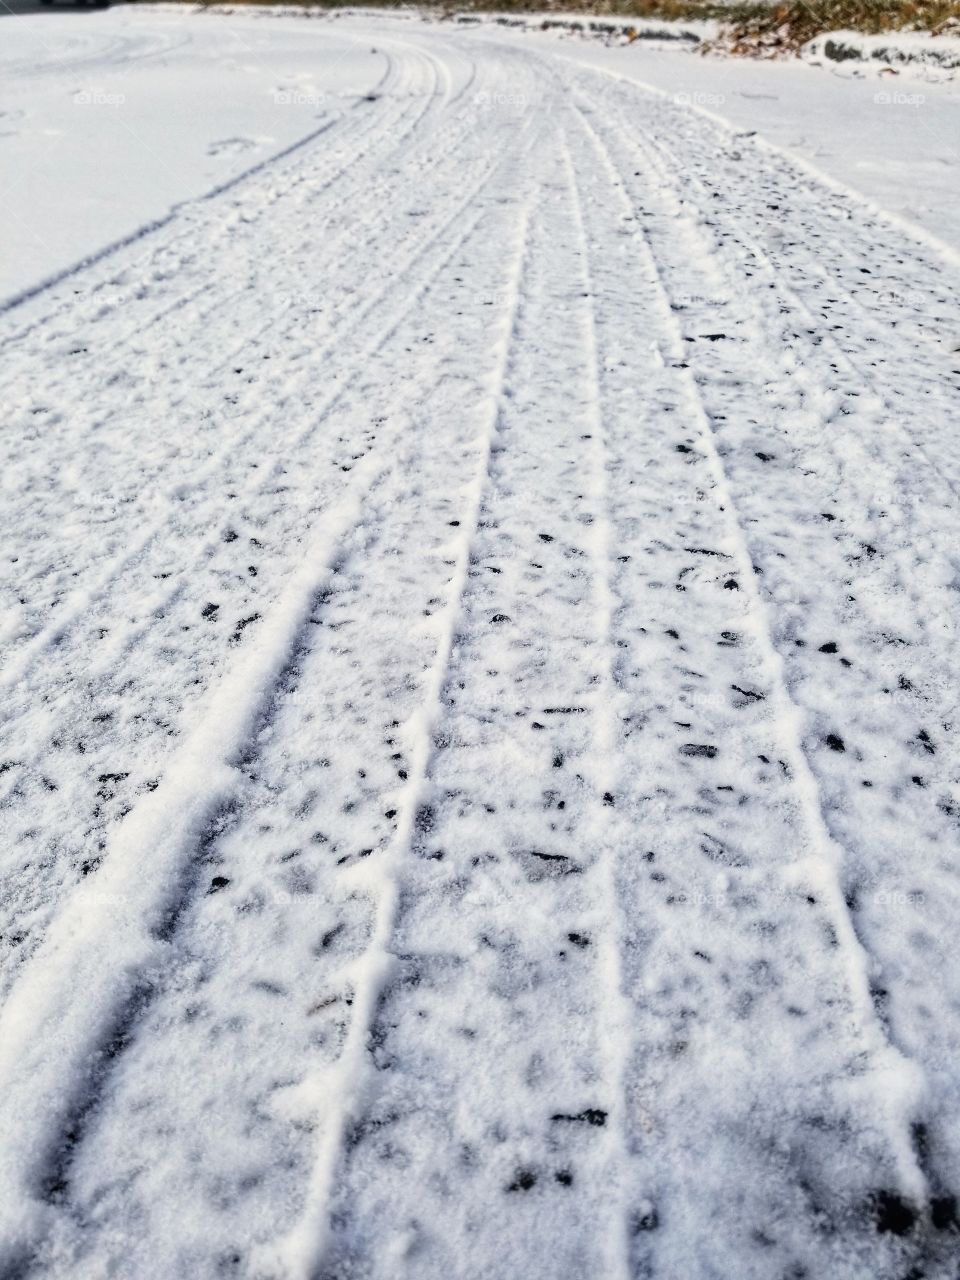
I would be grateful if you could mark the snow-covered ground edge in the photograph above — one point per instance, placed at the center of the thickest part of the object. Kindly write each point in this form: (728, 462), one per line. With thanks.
(923, 49)
(918, 48)
(618, 30)
(913, 48)
(889, 141)
(713, 107)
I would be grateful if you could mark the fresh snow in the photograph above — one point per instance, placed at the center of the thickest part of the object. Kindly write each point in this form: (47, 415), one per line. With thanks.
(479, 767)
(887, 129)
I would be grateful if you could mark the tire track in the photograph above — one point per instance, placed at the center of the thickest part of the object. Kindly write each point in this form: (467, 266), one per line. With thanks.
(610, 717)
(124, 912)
(302, 1252)
(904, 388)
(133, 918)
(72, 610)
(131, 788)
(442, 146)
(197, 948)
(481, 884)
(492, 1112)
(222, 232)
(818, 865)
(892, 986)
(179, 213)
(76, 609)
(829, 856)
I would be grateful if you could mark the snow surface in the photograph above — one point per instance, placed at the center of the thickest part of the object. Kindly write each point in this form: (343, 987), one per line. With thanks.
(125, 114)
(479, 767)
(890, 131)
(107, 119)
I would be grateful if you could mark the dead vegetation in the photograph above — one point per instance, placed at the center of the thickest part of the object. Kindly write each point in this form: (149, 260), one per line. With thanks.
(749, 28)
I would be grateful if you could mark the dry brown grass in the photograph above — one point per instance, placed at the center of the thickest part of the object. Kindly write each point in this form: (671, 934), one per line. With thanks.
(748, 27)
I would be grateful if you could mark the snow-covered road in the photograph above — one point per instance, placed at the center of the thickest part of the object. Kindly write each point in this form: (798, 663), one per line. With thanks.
(479, 763)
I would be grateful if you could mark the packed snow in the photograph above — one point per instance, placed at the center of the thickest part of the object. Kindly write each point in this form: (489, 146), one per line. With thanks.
(480, 664)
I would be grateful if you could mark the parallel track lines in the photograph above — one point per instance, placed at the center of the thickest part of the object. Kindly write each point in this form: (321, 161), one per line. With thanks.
(238, 182)
(607, 726)
(826, 856)
(77, 605)
(896, 420)
(303, 1250)
(121, 912)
